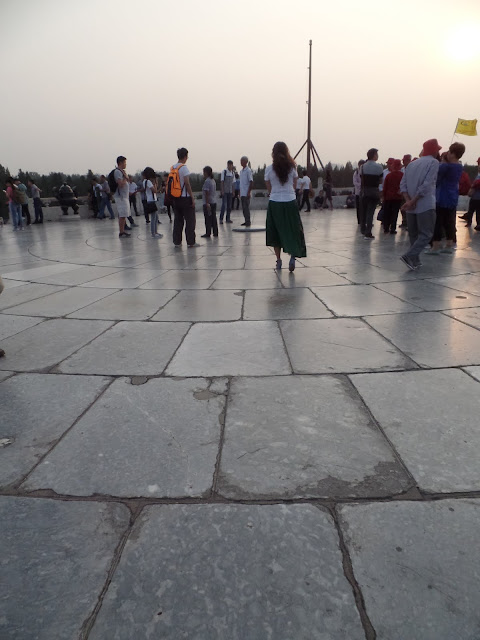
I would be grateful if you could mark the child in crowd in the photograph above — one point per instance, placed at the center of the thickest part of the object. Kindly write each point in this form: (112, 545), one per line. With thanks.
(209, 192)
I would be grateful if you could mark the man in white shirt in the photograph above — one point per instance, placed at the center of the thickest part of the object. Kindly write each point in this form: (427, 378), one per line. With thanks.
(246, 184)
(299, 190)
(306, 182)
(227, 182)
(132, 194)
(184, 205)
(121, 195)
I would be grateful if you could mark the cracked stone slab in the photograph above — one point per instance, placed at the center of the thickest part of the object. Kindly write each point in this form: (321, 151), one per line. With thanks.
(361, 300)
(429, 296)
(54, 563)
(11, 325)
(125, 279)
(129, 349)
(236, 572)
(437, 439)
(159, 439)
(25, 292)
(186, 279)
(417, 564)
(338, 345)
(37, 409)
(279, 304)
(431, 339)
(310, 277)
(79, 276)
(281, 442)
(202, 306)
(469, 316)
(474, 371)
(5, 374)
(48, 343)
(231, 349)
(245, 279)
(59, 304)
(129, 304)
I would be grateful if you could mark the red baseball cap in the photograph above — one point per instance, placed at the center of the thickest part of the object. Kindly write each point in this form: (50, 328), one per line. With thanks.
(431, 147)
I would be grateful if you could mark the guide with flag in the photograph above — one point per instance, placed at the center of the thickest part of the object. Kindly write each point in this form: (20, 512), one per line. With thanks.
(466, 127)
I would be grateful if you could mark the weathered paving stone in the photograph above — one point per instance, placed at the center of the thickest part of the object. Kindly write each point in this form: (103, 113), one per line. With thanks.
(236, 572)
(231, 349)
(125, 279)
(417, 564)
(129, 304)
(48, 343)
(431, 339)
(202, 306)
(437, 439)
(24, 292)
(5, 374)
(10, 325)
(474, 371)
(79, 276)
(157, 439)
(59, 304)
(129, 348)
(361, 300)
(429, 296)
(54, 562)
(36, 410)
(278, 304)
(304, 437)
(469, 316)
(338, 345)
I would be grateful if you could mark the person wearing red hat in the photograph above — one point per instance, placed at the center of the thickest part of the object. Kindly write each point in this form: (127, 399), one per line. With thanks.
(468, 216)
(392, 198)
(418, 189)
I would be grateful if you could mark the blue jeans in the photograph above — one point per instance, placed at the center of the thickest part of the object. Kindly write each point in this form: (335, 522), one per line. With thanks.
(420, 231)
(153, 222)
(16, 215)
(106, 203)
(226, 203)
(37, 206)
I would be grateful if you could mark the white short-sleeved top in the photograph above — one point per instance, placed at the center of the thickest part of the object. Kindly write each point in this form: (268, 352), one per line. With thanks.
(306, 182)
(281, 192)
(148, 186)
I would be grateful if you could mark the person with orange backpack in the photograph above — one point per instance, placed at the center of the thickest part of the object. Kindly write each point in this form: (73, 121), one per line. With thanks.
(180, 190)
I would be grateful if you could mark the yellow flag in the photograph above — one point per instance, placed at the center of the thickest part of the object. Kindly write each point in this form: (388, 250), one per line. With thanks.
(466, 127)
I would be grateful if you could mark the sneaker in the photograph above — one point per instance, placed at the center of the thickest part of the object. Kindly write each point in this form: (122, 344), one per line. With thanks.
(464, 217)
(446, 250)
(369, 237)
(147, 221)
(392, 233)
(278, 265)
(244, 224)
(205, 235)
(127, 228)
(124, 235)
(192, 246)
(157, 235)
(229, 221)
(215, 235)
(291, 264)
(408, 262)
(177, 246)
(221, 221)
(431, 252)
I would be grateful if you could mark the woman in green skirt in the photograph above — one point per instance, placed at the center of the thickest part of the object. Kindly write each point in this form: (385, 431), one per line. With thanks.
(284, 226)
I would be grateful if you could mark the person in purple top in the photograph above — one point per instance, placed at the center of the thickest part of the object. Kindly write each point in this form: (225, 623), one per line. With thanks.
(448, 178)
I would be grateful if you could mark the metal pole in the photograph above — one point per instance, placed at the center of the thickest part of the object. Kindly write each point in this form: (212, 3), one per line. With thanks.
(309, 131)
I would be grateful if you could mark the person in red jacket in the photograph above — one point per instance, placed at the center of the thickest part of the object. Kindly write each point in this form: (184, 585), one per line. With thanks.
(392, 198)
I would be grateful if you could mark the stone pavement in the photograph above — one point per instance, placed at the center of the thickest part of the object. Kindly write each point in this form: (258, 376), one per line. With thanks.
(195, 446)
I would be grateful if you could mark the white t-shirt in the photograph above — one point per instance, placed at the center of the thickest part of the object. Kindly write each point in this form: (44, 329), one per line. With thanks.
(132, 187)
(123, 190)
(148, 186)
(246, 177)
(281, 192)
(305, 183)
(182, 173)
(300, 184)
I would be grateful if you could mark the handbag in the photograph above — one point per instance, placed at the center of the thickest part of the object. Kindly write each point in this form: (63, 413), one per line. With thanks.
(151, 207)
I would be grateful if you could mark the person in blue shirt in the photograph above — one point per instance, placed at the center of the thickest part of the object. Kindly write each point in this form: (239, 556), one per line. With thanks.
(448, 178)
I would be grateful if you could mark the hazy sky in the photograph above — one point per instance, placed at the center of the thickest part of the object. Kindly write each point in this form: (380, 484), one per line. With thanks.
(87, 80)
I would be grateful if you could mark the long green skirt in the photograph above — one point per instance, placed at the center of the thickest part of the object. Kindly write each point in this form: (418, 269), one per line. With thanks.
(285, 229)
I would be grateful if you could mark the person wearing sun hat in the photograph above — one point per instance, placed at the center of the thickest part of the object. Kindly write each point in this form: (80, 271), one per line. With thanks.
(418, 189)
(392, 198)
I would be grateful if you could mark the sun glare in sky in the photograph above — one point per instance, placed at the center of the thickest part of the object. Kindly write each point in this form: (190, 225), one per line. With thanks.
(463, 43)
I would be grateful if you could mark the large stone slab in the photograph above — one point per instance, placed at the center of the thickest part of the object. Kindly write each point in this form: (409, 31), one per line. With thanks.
(366, 273)
(417, 564)
(231, 349)
(183, 279)
(361, 300)
(429, 296)
(129, 304)
(468, 316)
(158, 439)
(279, 304)
(247, 279)
(24, 292)
(203, 306)
(469, 283)
(474, 371)
(236, 572)
(54, 563)
(39, 272)
(282, 442)
(431, 339)
(59, 304)
(48, 343)
(125, 279)
(310, 277)
(437, 439)
(129, 348)
(11, 325)
(79, 276)
(37, 409)
(338, 345)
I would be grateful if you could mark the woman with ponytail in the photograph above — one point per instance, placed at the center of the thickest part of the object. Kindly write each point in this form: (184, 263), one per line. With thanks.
(284, 226)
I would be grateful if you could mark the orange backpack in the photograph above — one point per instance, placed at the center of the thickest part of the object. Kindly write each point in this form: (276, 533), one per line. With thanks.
(174, 188)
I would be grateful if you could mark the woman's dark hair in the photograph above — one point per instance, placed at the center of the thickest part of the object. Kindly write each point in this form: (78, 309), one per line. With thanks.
(10, 180)
(283, 162)
(208, 170)
(149, 174)
(458, 149)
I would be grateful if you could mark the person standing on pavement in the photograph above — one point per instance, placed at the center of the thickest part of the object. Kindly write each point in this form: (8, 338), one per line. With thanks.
(418, 189)
(392, 198)
(132, 194)
(236, 194)
(24, 201)
(306, 182)
(227, 181)
(150, 188)
(105, 199)
(468, 215)
(121, 195)
(2, 352)
(14, 206)
(284, 225)
(184, 203)
(357, 189)
(371, 174)
(37, 203)
(209, 194)
(246, 184)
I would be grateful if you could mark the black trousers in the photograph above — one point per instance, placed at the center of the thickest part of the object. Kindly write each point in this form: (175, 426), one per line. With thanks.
(211, 224)
(369, 205)
(184, 215)
(445, 221)
(37, 206)
(133, 200)
(358, 205)
(26, 213)
(473, 207)
(306, 199)
(246, 209)
(390, 214)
